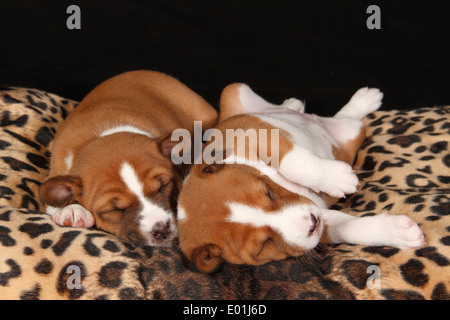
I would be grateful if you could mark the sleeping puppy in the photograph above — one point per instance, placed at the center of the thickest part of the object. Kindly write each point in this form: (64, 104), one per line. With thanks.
(110, 162)
(268, 200)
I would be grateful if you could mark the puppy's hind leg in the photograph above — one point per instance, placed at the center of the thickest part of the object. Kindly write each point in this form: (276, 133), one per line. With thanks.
(239, 98)
(363, 102)
(346, 126)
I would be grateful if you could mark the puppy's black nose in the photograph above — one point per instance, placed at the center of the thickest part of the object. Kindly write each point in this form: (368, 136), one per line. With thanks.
(161, 230)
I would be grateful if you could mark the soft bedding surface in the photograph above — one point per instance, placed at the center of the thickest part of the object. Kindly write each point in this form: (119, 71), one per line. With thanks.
(404, 168)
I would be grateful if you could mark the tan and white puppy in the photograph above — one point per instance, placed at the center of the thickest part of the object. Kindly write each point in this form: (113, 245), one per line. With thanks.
(244, 210)
(110, 159)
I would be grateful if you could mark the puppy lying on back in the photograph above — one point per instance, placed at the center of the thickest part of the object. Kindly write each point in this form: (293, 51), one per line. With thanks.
(110, 162)
(245, 210)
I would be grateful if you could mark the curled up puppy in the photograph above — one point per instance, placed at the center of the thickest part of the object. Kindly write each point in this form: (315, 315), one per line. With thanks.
(110, 160)
(269, 199)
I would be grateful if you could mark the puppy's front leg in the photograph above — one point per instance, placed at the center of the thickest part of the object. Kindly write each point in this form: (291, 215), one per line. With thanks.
(73, 215)
(333, 177)
(398, 231)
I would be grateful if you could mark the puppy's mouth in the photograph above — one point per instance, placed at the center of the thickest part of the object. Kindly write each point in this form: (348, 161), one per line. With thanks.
(315, 225)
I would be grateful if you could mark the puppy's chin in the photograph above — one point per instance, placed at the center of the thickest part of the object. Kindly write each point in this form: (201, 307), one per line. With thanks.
(137, 238)
(165, 243)
(314, 238)
(162, 244)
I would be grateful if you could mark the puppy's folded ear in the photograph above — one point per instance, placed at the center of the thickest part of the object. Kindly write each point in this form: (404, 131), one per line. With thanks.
(165, 145)
(177, 148)
(212, 168)
(60, 191)
(207, 258)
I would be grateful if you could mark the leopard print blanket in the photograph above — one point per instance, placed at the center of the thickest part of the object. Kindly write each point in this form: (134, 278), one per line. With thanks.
(404, 167)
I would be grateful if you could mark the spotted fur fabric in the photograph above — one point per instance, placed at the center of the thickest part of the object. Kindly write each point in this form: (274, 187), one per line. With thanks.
(404, 167)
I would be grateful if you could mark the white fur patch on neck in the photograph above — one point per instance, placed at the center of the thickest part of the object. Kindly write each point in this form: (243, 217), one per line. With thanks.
(150, 213)
(291, 222)
(125, 128)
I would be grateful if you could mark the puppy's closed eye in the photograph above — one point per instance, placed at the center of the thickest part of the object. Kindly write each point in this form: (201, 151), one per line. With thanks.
(270, 193)
(158, 184)
(164, 186)
(114, 208)
(112, 215)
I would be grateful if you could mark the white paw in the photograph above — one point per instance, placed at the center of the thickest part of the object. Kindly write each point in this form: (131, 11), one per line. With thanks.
(363, 102)
(366, 100)
(339, 180)
(74, 215)
(294, 104)
(400, 231)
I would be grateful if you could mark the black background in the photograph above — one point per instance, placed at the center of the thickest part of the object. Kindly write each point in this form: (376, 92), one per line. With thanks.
(318, 51)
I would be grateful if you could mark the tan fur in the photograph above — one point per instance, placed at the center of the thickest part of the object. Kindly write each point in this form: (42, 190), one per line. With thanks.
(248, 122)
(154, 102)
(150, 101)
